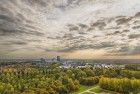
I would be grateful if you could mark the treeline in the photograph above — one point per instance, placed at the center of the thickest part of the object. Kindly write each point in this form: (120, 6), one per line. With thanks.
(28, 79)
(122, 85)
(135, 67)
(130, 74)
(44, 80)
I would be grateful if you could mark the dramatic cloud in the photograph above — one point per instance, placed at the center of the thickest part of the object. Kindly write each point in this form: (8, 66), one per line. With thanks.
(67, 27)
(134, 36)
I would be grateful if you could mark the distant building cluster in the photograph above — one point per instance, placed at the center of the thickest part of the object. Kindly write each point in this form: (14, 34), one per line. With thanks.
(47, 61)
(68, 63)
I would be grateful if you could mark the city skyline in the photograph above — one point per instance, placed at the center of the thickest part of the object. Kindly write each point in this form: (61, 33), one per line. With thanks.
(80, 29)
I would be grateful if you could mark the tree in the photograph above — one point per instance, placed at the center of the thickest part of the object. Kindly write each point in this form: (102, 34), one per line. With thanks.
(122, 85)
(89, 81)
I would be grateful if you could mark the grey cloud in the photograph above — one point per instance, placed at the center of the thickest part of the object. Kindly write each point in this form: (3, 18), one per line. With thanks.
(106, 44)
(69, 48)
(123, 20)
(99, 24)
(90, 29)
(20, 17)
(80, 28)
(126, 50)
(136, 22)
(117, 32)
(83, 25)
(73, 47)
(117, 27)
(68, 3)
(123, 50)
(82, 33)
(6, 18)
(13, 22)
(137, 14)
(55, 38)
(73, 43)
(36, 2)
(72, 27)
(65, 38)
(34, 40)
(38, 47)
(125, 30)
(9, 32)
(80, 45)
(136, 27)
(114, 33)
(31, 26)
(14, 43)
(70, 36)
(4, 10)
(19, 43)
(34, 32)
(133, 36)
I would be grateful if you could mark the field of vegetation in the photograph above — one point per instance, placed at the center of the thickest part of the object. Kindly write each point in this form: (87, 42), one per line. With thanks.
(31, 79)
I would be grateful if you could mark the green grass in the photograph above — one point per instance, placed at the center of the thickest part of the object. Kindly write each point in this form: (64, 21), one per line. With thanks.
(97, 89)
(82, 88)
(88, 93)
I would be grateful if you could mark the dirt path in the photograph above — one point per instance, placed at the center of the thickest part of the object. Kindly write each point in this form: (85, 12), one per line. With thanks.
(88, 90)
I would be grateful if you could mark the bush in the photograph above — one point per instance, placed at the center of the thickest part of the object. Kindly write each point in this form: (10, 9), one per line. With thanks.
(89, 81)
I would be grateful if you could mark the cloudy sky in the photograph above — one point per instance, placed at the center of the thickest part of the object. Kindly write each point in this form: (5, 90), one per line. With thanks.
(70, 28)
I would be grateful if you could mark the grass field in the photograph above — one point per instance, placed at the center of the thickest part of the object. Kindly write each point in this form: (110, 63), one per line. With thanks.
(82, 89)
(93, 90)
(97, 89)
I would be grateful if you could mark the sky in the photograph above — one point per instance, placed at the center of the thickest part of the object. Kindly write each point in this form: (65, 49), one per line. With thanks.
(82, 29)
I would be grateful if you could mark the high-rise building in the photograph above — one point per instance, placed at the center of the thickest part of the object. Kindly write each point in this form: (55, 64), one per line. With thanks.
(58, 58)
